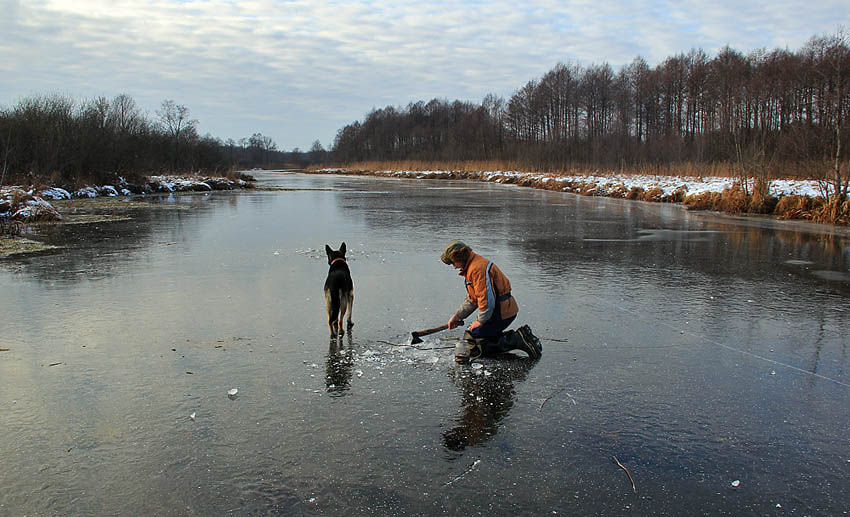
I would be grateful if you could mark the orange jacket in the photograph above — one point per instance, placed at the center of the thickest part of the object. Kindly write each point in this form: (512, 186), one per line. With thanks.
(484, 290)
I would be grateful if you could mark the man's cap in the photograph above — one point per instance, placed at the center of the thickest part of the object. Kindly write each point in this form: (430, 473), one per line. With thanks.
(452, 248)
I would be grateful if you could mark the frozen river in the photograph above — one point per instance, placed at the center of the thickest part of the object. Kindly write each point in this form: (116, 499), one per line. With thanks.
(708, 354)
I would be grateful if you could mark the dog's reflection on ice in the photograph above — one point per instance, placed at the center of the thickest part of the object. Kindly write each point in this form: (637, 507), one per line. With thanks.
(339, 366)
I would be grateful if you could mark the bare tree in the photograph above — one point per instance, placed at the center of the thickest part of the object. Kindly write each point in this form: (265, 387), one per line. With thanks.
(124, 115)
(175, 121)
(833, 54)
(317, 152)
(6, 141)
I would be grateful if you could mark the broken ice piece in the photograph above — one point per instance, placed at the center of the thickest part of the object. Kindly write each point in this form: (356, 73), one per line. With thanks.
(736, 483)
(232, 393)
(192, 417)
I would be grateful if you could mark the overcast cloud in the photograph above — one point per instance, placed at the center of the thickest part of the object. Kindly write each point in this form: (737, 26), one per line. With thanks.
(298, 71)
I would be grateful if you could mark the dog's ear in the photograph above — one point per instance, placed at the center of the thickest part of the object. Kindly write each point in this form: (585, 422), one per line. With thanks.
(342, 248)
(328, 250)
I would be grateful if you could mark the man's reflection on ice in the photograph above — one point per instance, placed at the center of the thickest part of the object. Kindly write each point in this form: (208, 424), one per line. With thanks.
(487, 395)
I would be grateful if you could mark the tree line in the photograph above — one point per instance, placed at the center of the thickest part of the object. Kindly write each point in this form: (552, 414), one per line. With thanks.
(771, 111)
(59, 139)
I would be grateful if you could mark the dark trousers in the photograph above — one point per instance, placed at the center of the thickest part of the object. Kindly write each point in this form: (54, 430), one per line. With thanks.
(493, 328)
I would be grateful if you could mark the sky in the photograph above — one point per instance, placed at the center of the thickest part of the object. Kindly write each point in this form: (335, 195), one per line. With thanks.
(299, 71)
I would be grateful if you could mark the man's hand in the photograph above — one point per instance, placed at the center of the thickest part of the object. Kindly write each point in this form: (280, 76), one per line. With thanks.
(475, 324)
(454, 321)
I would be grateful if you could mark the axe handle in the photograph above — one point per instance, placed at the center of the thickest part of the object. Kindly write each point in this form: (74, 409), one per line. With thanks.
(430, 331)
(425, 332)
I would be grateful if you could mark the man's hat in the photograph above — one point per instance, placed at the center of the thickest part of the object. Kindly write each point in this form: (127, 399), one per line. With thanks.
(452, 248)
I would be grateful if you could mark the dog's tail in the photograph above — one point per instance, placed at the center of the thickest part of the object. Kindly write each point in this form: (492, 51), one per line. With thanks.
(343, 300)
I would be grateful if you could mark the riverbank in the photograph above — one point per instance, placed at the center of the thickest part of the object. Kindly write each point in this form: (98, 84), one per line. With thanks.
(21, 207)
(782, 198)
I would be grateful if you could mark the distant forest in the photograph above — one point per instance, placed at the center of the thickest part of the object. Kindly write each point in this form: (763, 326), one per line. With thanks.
(775, 112)
(770, 113)
(54, 139)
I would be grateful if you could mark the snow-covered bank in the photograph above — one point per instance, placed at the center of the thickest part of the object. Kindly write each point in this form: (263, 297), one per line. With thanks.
(28, 204)
(691, 186)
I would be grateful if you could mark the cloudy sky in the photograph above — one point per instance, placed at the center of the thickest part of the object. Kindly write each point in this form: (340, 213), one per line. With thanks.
(298, 71)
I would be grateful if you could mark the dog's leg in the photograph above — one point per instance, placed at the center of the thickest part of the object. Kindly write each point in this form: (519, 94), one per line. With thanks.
(350, 308)
(331, 315)
(343, 308)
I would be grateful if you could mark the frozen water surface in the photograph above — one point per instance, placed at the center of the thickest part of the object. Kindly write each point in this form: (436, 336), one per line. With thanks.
(709, 354)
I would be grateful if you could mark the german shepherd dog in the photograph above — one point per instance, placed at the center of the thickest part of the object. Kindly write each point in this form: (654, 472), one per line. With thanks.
(339, 291)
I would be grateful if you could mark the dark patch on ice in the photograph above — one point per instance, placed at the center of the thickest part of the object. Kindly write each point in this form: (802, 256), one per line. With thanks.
(834, 276)
(664, 234)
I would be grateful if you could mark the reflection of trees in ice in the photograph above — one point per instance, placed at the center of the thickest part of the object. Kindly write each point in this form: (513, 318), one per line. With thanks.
(111, 247)
(487, 395)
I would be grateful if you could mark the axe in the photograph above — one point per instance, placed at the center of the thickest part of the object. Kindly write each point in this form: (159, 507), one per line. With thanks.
(416, 336)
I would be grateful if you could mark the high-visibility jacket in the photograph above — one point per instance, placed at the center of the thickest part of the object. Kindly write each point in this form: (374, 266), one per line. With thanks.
(486, 286)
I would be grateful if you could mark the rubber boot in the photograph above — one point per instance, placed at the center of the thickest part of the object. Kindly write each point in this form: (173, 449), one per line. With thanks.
(468, 348)
(518, 340)
(531, 343)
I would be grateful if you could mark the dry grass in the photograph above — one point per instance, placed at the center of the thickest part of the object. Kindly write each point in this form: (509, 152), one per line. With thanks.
(685, 169)
(703, 201)
(67, 206)
(734, 200)
(16, 246)
(794, 207)
(761, 202)
(836, 211)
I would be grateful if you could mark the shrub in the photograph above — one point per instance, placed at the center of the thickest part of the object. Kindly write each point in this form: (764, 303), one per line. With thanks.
(793, 207)
(702, 201)
(734, 200)
(677, 196)
(762, 202)
(9, 227)
(619, 191)
(635, 193)
(836, 211)
(654, 194)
